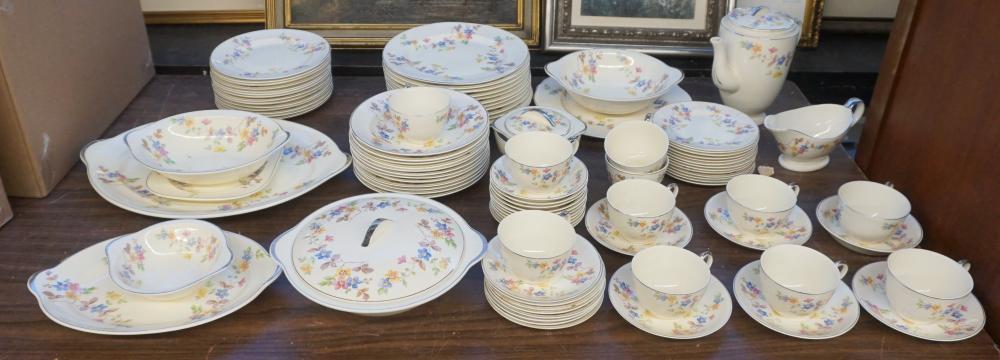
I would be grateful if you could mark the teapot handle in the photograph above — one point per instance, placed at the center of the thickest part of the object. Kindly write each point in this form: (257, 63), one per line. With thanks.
(857, 108)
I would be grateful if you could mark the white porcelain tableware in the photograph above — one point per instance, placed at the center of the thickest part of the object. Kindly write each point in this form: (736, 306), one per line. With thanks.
(538, 160)
(503, 179)
(164, 187)
(269, 54)
(923, 286)
(871, 211)
(676, 232)
(637, 146)
(639, 208)
(613, 81)
(538, 118)
(907, 235)
(79, 294)
(616, 174)
(707, 316)
(536, 244)
(167, 260)
(759, 204)
(706, 127)
(670, 281)
(795, 230)
(419, 113)
(207, 147)
(797, 281)
(752, 55)
(582, 271)
(807, 135)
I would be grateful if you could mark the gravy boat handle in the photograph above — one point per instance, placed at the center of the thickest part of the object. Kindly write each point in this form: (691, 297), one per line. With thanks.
(857, 108)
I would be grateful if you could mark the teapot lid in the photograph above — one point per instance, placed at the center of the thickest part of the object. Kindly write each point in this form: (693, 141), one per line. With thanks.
(761, 18)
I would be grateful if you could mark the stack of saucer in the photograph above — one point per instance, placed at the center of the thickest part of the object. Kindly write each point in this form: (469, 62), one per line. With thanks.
(539, 172)
(709, 143)
(484, 62)
(559, 287)
(281, 73)
(423, 141)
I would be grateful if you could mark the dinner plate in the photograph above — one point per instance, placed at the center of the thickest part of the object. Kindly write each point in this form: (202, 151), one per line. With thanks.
(270, 54)
(706, 126)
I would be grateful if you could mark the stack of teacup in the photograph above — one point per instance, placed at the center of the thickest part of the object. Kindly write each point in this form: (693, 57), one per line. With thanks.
(758, 212)
(638, 214)
(539, 273)
(539, 172)
(870, 218)
(636, 150)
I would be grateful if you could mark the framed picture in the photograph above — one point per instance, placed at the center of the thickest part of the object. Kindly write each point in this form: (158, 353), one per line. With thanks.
(371, 23)
(808, 13)
(680, 27)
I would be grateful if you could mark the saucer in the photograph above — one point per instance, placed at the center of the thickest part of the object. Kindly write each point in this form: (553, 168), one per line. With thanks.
(834, 319)
(955, 324)
(571, 183)
(796, 230)
(582, 270)
(246, 186)
(906, 235)
(677, 232)
(711, 314)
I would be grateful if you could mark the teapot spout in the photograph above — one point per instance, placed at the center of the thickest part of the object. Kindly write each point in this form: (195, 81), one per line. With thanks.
(722, 74)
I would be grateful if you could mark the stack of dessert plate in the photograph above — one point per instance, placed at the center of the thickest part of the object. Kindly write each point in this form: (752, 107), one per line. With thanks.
(487, 63)
(568, 298)
(281, 73)
(709, 143)
(387, 162)
(567, 199)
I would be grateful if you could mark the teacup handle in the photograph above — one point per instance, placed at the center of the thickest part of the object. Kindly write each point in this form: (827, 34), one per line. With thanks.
(795, 188)
(842, 267)
(706, 256)
(890, 184)
(966, 264)
(673, 188)
(857, 108)
(371, 231)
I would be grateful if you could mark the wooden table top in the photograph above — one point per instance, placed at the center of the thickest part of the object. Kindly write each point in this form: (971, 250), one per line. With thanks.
(282, 323)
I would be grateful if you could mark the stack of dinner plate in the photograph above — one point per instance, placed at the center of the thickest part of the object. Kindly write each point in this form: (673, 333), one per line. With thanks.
(487, 63)
(709, 143)
(280, 73)
(387, 157)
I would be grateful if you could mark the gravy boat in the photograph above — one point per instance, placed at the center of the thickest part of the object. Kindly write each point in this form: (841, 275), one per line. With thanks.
(807, 135)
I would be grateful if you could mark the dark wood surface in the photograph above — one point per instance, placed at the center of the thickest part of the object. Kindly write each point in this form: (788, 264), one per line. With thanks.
(282, 323)
(935, 137)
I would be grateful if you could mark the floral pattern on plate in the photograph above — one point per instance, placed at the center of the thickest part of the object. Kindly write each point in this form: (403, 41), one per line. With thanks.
(707, 316)
(906, 234)
(290, 52)
(830, 320)
(795, 230)
(579, 274)
(78, 294)
(707, 126)
(584, 74)
(676, 232)
(454, 53)
(955, 323)
(371, 123)
(571, 183)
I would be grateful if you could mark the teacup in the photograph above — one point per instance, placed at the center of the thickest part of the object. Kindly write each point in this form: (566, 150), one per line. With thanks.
(535, 244)
(871, 211)
(419, 113)
(616, 174)
(637, 146)
(760, 204)
(924, 286)
(797, 281)
(538, 160)
(640, 208)
(669, 281)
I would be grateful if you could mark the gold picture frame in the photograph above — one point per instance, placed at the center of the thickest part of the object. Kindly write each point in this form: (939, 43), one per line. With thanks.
(278, 14)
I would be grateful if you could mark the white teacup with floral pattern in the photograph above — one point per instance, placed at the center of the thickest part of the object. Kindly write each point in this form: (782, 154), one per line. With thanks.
(167, 260)
(669, 281)
(640, 208)
(535, 244)
(538, 160)
(616, 174)
(637, 146)
(760, 204)
(870, 211)
(419, 113)
(923, 286)
(797, 281)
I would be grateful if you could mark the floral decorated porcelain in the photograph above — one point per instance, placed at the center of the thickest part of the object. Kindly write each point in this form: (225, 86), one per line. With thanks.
(706, 316)
(550, 94)
(419, 113)
(538, 118)
(502, 180)
(166, 260)
(538, 160)
(269, 54)
(79, 294)
(835, 318)
(535, 243)
(960, 321)
(637, 147)
(871, 211)
(450, 53)
(753, 53)
(920, 282)
(573, 277)
(796, 229)
(706, 126)
(670, 281)
(907, 234)
(640, 209)
(807, 135)
(797, 281)
(677, 231)
(616, 174)
(309, 159)
(164, 187)
(613, 81)
(207, 147)
(759, 203)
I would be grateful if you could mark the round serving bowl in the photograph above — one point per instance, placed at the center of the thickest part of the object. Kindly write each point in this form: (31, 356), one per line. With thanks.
(611, 81)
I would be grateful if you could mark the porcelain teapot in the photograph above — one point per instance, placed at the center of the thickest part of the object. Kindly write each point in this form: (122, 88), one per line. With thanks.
(807, 135)
(752, 55)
